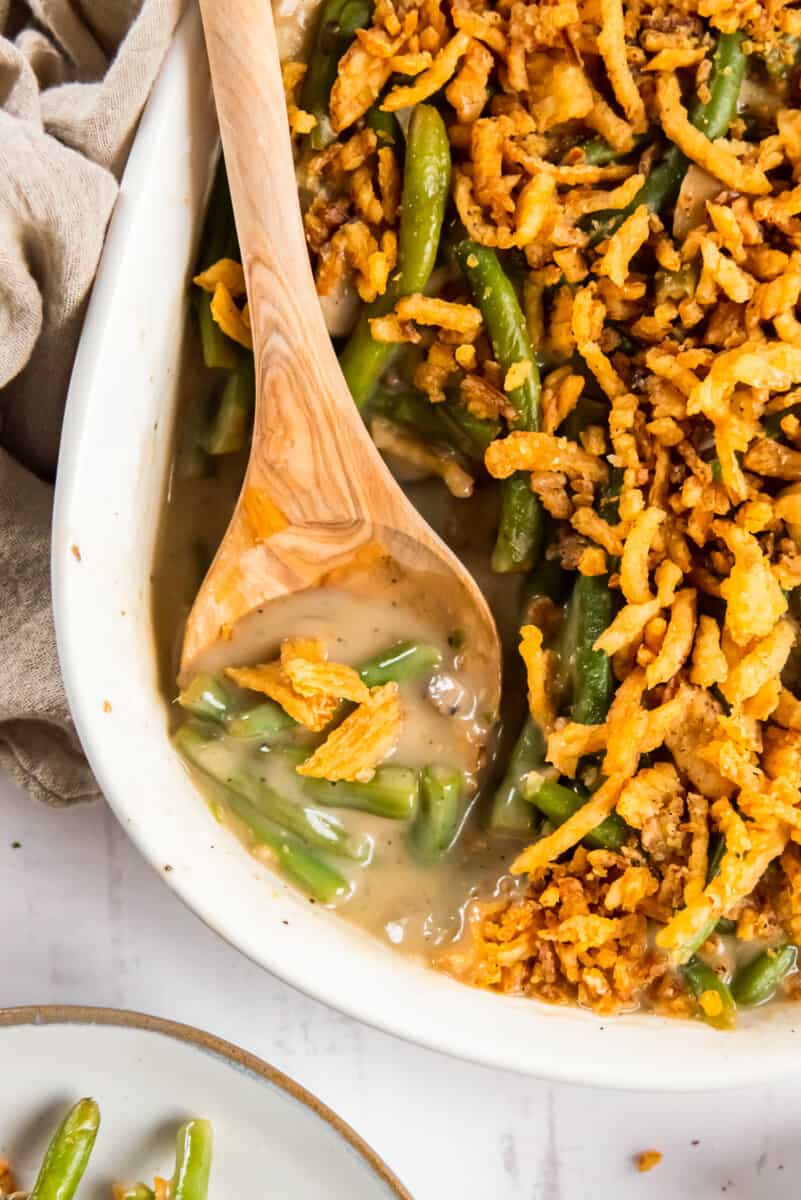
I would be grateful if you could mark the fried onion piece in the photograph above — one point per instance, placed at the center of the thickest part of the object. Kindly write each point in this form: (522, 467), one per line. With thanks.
(714, 157)
(464, 319)
(549, 848)
(634, 563)
(524, 451)
(313, 712)
(624, 244)
(570, 742)
(678, 640)
(430, 81)
(310, 678)
(538, 671)
(229, 318)
(612, 45)
(754, 599)
(709, 664)
(744, 862)
(763, 662)
(227, 271)
(364, 739)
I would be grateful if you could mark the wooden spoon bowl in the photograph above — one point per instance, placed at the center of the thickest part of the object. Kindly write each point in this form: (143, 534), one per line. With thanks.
(317, 502)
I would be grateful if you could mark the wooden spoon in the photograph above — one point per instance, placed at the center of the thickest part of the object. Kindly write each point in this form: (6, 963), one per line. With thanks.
(317, 497)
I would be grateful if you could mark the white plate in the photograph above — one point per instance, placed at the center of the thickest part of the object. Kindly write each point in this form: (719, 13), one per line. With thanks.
(112, 474)
(271, 1137)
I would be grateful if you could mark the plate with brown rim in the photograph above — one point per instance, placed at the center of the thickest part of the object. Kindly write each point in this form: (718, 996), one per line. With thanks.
(271, 1136)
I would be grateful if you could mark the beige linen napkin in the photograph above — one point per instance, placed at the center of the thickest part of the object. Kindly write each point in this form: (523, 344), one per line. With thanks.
(74, 75)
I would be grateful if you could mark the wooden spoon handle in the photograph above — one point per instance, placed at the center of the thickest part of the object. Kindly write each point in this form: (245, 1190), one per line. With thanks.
(311, 455)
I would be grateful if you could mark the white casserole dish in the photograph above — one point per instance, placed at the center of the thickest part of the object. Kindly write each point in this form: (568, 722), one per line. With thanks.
(113, 468)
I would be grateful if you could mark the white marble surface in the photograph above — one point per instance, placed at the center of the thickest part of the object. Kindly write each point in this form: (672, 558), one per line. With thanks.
(85, 920)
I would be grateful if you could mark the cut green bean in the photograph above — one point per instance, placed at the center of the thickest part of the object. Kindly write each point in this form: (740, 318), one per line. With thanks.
(193, 1147)
(386, 127)
(757, 981)
(510, 812)
(264, 721)
(439, 814)
(68, 1153)
(521, 525)
(230, 430)
(210, 753)
(557, 803)
(134, 1191)
(701, 979)
(218, 350)
(401, 663)
(447, 422)
(772, 422)
(336, 28)
(300, 864)
(217, 240)
(598, 153)
(717, 848)
(426, 183)
(676, 285)
(589, 613)
(218, 236)
(392, 793)
(210, 697)
(713, 119)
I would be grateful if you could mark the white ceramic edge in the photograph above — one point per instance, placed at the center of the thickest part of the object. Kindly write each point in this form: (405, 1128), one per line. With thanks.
(111, 471)
(41, 1016)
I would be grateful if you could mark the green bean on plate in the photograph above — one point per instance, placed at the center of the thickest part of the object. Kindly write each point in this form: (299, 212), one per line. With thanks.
(69, 1150)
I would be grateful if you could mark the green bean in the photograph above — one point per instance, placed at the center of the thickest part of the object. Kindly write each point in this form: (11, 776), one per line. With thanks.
(300, 864)
(133, 1191)
(713, 119)
(589, 613)
(519, 537)
(68, 1153)
(218, 236)
(772, 422)
(218, 350)
(728, 71)
(401, 663)
(336, 27)
(480, 431)
(426, 182)
(209, 753)
(701, 978)
(758, 979)
(676, 285)
(439, 813)
(264, 720)
(547, 582)
(193, 1146)
(386, 127)
(230, 430)
(209, 696)
(510, 813)
(598, 153)
(557, 803)
(447, 422)
(392, 793)
(521, 524)
(717, 848)
(217, 240)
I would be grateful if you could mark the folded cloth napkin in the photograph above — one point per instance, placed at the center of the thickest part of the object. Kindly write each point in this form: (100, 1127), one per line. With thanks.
(74, 75)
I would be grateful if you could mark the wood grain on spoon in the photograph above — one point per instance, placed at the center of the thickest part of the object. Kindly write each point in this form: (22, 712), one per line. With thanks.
(316, 496)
